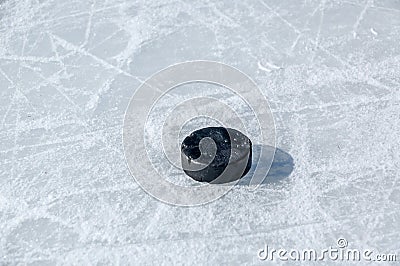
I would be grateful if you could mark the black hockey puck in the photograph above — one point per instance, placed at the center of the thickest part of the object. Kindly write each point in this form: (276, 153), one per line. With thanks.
(216, 155)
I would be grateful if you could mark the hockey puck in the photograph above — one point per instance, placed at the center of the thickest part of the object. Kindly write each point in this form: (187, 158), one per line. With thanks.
(216, 155)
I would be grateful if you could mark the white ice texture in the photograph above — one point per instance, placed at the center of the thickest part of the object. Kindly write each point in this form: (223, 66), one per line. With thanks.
(330, 70)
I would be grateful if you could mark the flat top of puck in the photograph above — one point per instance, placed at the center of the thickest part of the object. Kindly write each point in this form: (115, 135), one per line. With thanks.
(229, 143)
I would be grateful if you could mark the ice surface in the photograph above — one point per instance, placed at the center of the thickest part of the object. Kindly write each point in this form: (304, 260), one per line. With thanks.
(330, 69)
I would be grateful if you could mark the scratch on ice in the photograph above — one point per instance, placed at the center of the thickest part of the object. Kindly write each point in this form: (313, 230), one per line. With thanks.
(268, 67)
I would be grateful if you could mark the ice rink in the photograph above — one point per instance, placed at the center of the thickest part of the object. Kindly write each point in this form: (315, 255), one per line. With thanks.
(68, 69)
